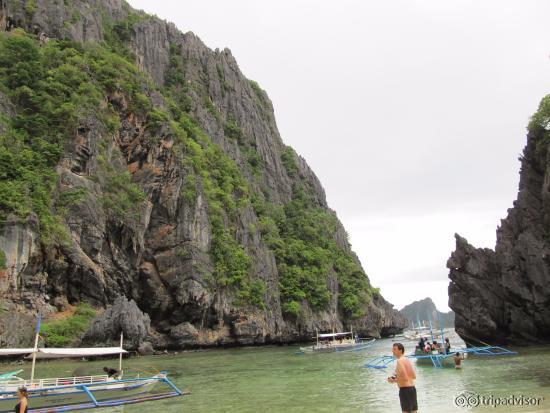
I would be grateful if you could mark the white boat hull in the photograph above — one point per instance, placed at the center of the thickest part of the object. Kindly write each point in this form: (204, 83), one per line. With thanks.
(435, 359)
(41, 398)
(337, 348)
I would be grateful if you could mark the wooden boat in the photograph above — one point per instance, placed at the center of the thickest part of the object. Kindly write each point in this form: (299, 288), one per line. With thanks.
(433, 358)
(76, 393)
(437, 359)
(337, 343)
(64, 394)
(441, 360)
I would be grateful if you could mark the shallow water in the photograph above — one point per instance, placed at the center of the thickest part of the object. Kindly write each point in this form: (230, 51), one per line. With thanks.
(274, 379)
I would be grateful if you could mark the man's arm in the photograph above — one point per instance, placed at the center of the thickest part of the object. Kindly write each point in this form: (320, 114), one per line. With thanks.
(393, 379)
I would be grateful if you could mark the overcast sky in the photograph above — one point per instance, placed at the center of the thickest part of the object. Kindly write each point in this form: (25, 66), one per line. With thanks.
(412, 113)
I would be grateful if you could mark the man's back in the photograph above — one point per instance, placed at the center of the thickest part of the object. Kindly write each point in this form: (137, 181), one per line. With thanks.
(405, 373)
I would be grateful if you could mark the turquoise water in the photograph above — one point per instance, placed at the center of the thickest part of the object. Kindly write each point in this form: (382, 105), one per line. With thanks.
(274, 379)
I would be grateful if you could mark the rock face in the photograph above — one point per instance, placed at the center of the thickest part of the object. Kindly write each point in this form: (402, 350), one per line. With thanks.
(122, 316)
(383, 320)
(425, 310)
(501, 296)
(161, 257)
(16, 326)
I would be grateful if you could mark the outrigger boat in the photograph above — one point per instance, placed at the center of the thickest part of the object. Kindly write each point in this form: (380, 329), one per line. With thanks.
(436, 358)
(9, 375)
(440, 360)
(337, 342)
(64, 394)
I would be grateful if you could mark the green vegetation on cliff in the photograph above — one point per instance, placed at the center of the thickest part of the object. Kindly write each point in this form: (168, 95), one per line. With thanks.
(3, 262)
(539, 125)
(121, 197)
(302, 236)
(226, 192)
(60, 86)
(53, 88)
(540, 121)
(60, 333)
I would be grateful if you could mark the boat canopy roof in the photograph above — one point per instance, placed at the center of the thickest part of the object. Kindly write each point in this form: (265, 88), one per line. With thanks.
(44, 353)
(15, 351)
(48, 353)
(334, 334)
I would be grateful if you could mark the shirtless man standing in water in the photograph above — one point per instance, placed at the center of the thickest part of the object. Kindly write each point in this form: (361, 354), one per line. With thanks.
(404, 377)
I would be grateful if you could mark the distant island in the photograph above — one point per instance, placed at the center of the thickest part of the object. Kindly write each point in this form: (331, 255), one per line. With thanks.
(425, 310)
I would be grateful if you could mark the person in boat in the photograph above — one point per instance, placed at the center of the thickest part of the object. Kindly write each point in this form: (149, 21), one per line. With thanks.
(404, 377)
(447, 346)
(421, 344)
(22, 406)
(458, 360)
(427, 347)
(440, 348)
(111, 373)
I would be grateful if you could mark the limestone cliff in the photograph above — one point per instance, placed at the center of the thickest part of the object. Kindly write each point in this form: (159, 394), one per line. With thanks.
(501, 295)
(172, 188)
(426, 311)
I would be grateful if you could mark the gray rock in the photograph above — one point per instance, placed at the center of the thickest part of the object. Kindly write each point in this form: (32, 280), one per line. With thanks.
(184, 334)
(424, 310)
(146, 349)
(381, 320)
(16, 326)
(501, 296)
(123, 316)
(18, 241)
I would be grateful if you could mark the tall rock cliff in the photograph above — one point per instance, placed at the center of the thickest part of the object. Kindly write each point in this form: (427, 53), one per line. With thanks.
(501, 296)
(138, 162)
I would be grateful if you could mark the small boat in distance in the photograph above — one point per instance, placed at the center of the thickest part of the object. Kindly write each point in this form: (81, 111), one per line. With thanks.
(415, 332)
(337, 342)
